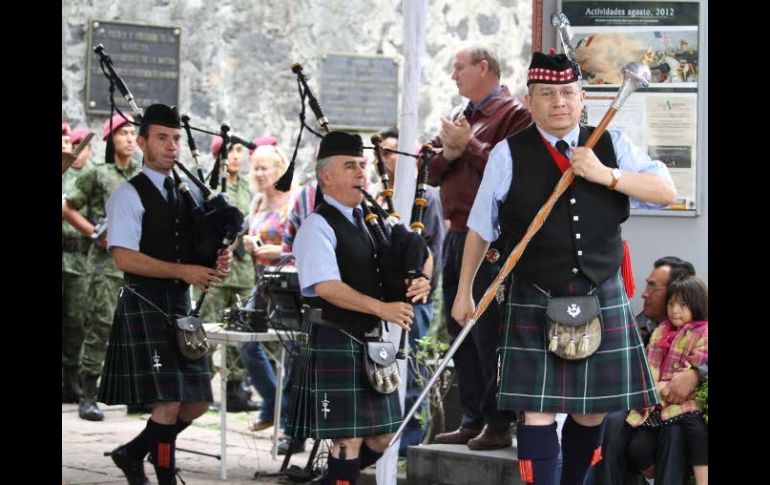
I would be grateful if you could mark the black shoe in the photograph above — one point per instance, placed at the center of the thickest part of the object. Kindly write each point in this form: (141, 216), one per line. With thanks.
(239, 399)
(297, 446)
(132, 469)
(88, 410)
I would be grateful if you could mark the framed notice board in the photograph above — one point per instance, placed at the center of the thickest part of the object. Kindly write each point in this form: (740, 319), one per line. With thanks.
(663, 118)
(146, 57)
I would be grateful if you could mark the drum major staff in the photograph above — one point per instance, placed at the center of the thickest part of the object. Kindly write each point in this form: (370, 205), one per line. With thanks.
(577, 253)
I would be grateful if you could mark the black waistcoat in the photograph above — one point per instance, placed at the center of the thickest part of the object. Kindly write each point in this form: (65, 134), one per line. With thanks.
(582, 233)
(357, 263)
(167, 233)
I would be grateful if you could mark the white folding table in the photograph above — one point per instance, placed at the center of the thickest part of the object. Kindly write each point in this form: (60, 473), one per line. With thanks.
(216, 334)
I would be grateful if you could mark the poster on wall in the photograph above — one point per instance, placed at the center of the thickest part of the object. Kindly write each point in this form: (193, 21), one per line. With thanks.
(661, 119)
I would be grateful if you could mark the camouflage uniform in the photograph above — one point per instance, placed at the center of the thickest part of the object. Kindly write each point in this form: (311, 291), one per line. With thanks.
(240, 281)
(74, 282)
(92, 189)
(74, 291)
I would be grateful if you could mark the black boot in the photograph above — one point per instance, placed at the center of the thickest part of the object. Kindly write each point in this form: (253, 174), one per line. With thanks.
(238, 398)
(87, 409)
(70, 385)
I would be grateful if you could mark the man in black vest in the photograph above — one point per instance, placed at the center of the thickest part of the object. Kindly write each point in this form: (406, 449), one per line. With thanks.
(338, 272)
(151, 239)
(577, 252)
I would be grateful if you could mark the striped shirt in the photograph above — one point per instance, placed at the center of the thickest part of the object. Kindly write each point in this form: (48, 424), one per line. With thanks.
(304, 204)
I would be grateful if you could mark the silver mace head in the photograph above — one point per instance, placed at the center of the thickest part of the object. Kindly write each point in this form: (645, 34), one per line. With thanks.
(561, 23)
(559, 20)
(635, 75)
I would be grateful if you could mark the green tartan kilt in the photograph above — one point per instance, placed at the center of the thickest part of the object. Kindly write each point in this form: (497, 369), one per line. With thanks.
(615, 378)
(331, 397)
(143, 362)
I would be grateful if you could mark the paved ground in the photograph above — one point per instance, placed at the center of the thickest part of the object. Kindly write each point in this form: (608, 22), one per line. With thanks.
(84, 444)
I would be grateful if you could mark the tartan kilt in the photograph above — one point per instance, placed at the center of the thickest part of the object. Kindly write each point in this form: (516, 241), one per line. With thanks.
(143, 362)
(615, 378)
(330, 375)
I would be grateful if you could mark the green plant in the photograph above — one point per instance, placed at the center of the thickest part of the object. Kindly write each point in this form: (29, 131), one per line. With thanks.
(702, 396)
(425, 363)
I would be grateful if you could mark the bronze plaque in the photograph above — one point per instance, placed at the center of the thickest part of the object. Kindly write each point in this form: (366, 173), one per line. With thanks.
(359, 92)
(146, 57)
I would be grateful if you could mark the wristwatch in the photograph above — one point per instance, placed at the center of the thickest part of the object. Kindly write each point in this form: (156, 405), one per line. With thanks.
(616, 173)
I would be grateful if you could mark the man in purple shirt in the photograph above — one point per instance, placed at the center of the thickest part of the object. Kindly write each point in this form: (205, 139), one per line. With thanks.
(467, 135)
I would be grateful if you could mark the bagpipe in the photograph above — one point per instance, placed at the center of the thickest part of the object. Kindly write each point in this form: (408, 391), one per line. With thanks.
(216, 223)
(401, 253)
(404, 253)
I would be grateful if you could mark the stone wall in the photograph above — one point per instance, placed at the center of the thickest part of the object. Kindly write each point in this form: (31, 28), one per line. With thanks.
(236, 54)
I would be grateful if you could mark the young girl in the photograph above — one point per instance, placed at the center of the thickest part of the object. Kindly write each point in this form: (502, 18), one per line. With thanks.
(679, 343)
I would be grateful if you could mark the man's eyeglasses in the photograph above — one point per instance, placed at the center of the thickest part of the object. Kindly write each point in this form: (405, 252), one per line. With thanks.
(569, 93)
(652, 287)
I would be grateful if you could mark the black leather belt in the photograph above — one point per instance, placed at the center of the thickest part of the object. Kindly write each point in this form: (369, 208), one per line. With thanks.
(315, 316)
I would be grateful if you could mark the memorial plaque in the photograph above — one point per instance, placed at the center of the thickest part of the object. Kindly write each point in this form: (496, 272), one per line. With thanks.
(358, 92)
(146, 57)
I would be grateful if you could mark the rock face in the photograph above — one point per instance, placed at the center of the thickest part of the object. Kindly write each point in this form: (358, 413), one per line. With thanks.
(236, 55)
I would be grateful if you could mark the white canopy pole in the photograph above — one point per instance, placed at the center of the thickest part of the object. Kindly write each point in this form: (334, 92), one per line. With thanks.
(415, 13)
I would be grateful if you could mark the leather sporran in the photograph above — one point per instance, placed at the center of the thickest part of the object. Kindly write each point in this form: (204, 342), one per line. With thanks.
(191, 337)
(380, 366)
(574, 326)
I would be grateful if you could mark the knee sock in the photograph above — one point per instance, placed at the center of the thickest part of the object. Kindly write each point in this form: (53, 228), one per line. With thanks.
(162, 447)
(138, 447)
(341, 472)
(181, 425)
(538, 448)
(581, 447)
(368, 456)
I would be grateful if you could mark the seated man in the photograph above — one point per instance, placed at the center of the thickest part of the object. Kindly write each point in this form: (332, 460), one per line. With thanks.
(671, 460)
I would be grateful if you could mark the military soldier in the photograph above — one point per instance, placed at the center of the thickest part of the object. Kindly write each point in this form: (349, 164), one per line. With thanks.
(66, 140)
(92, 190)
(74, 281)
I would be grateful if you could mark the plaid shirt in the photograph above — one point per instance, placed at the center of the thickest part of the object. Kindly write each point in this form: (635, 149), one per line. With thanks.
(689, 348)
(304, 204)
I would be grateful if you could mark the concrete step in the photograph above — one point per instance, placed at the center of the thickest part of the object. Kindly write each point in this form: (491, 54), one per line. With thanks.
(458, 465)
(369, 476)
